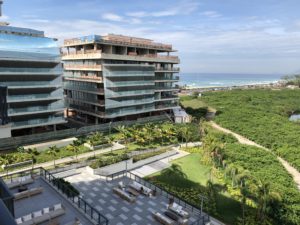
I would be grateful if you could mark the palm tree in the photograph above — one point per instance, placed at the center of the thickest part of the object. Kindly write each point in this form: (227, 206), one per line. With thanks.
(110, 140)
(33, 152)
(124, 133)
(266, 200)
(52, 151)
(73, 148)
(94, 139)
(187, 134)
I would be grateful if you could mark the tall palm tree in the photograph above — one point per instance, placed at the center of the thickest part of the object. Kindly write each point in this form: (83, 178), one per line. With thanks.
(110, 140)
(33, 152)
(266, 199)
(73, 148)
(53, 151)
(187, 134)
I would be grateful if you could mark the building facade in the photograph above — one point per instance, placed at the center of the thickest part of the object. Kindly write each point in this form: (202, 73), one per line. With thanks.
(31, 74)
(117, 77)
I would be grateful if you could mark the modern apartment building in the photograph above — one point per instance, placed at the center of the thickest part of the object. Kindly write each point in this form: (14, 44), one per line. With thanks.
(117, 77)
(30, 81)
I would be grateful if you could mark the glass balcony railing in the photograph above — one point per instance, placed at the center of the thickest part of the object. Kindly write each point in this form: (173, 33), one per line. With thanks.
(167, 69)
(128, 93)
(19, 98)
(83, 88)
(82, 67)
(29, 84)
(115, 104)
(129, 73)
(13, 111)
(124, 112)
(30, 71)
(129, 83)
(166, 88)
(86, 109)
(49, 120)
(176, 78)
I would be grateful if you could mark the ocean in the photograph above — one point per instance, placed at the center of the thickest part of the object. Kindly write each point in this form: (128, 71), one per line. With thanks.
(225, 80)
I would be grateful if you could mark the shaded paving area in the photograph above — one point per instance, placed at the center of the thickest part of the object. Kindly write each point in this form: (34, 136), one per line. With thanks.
(99, 193)
(47, 198)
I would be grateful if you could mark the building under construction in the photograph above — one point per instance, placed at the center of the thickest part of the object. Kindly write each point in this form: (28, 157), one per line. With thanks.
(117, 77)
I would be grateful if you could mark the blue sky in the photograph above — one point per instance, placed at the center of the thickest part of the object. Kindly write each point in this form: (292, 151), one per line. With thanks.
(230, 36)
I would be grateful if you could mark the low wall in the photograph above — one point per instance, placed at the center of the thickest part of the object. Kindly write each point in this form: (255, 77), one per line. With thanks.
(97, 147)
(59, 144)
(121, 166)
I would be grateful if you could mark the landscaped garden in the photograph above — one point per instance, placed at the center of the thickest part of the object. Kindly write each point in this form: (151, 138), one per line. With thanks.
(242, 184)
(152, 135)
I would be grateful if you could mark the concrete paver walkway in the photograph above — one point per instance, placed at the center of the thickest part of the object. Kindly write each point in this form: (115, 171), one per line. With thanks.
(291, 170)
(158, 165)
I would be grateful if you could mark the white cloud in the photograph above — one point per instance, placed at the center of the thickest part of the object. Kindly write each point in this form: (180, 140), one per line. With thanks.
(112, 17)
(182, 8)
(211, 14)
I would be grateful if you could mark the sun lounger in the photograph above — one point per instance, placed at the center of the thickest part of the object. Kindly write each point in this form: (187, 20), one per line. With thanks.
(28, 193)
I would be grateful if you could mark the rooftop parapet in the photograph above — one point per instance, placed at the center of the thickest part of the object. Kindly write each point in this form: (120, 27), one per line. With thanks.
(118, 40)
(20, 31)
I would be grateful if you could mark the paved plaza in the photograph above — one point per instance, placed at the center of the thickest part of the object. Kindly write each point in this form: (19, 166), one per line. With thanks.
(99, 194)
(47, 198)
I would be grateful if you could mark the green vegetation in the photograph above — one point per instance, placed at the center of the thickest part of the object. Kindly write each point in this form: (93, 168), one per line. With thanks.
(262, 115)
(244, 184)
(292, 79)
(108, 159)
(68, 188)
(147, 155)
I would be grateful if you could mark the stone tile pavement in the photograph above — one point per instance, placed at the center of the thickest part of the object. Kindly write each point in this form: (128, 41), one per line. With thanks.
(99, 194)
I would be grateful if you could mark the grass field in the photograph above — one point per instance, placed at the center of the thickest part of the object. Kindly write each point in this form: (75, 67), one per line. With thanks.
(196, 177)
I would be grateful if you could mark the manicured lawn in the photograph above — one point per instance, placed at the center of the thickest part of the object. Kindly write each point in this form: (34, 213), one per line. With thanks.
(194, 170)
(189, 188)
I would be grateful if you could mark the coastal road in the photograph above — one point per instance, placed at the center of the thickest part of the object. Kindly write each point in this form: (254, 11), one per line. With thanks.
(243, 140)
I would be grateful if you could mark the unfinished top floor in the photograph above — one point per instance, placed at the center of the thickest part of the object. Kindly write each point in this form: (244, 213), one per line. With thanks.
(119, 40)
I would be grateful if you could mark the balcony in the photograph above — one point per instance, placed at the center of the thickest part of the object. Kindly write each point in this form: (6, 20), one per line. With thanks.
(30, 71)
(93, 90)
(125, 112)
(144, 58)
(112, 94)
(37, 122)
(86, 100)
(92, 79)
(116, 104)
(32, 98)
(35, 110)
(167, 69)
(30, 84)
(83, 67)
(167, 79)
(162, 88)
(86, 110)
(166, 98)
(88, 54)
(129, 83)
